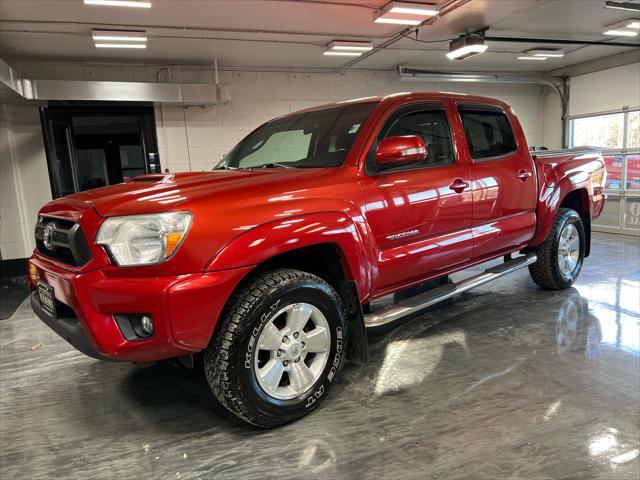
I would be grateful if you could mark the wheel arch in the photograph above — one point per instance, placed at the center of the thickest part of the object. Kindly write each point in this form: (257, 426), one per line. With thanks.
(578, 200)
(564, 194)
(326, 244)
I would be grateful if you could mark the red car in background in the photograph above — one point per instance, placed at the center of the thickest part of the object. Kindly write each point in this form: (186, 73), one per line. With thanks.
(615, 165)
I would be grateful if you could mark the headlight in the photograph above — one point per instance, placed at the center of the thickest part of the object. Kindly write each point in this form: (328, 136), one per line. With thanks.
(144, 239)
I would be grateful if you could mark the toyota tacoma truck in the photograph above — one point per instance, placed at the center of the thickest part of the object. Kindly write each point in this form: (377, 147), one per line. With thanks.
(269, 264)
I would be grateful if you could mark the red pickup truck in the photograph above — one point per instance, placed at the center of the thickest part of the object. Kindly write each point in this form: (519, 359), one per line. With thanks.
(269, 263)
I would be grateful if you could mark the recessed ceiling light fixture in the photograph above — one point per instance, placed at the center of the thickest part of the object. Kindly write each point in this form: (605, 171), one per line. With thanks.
(121, 45)
(119, 3)
(343, 53)
(620, 33)
(119, 36)
(466, 46)
(405, 13)
(633, 7)
(340, 45)
(545, 52)
(626, 28)
(527, 57)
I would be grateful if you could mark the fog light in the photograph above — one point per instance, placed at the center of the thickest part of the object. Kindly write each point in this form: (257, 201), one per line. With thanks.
(33, 273)
(146, 325)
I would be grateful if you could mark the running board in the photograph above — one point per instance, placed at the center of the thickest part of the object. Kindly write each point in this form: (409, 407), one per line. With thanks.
(438, 294)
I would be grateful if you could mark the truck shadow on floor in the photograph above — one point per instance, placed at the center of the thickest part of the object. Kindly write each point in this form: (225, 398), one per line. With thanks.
(443, 353)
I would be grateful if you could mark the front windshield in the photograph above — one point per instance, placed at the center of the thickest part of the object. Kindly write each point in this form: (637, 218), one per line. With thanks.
(315, 139)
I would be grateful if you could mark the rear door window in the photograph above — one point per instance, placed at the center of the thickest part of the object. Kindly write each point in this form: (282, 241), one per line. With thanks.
(488, 132)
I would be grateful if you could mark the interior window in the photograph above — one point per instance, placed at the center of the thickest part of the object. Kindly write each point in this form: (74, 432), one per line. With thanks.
(488, 133)
(281, 147)
(432, 126)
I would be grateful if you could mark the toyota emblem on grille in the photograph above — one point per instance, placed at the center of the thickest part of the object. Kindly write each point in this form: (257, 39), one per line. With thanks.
(47, 236)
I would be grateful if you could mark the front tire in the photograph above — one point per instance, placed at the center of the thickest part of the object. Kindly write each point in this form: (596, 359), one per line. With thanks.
(280, 346)
(561, 256)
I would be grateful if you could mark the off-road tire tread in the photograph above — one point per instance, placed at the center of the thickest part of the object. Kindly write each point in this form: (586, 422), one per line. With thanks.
(544, 271)
(218, 369)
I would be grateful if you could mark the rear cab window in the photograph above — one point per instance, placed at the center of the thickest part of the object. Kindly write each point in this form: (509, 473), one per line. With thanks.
(488, 131)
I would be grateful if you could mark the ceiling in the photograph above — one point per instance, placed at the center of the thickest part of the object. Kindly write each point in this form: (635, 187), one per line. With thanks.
(291, 34)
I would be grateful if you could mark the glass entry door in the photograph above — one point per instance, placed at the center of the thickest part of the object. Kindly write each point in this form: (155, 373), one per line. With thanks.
(91, 147)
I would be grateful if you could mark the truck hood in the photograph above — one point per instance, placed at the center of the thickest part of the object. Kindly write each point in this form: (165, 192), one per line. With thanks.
(160, 192)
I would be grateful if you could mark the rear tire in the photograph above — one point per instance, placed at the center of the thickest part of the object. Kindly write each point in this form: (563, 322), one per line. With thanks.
(561, 256)
(280, 346)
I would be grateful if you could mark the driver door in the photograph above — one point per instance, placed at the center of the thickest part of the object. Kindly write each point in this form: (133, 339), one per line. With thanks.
(420, 214)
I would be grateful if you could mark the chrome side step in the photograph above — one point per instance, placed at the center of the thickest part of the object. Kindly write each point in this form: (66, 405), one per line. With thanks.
(438, 294)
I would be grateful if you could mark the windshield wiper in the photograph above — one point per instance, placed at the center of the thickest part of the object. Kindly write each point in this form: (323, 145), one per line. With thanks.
(274, 165)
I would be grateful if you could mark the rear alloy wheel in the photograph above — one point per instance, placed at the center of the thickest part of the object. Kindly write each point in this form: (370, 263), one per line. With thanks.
(561, 255)
(569, 251)
(279, 347)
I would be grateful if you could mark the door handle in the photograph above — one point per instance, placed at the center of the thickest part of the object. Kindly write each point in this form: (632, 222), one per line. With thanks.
(458, 185)
(523, 175)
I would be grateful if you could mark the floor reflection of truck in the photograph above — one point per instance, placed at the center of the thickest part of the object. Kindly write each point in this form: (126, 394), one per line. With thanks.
(615, 167)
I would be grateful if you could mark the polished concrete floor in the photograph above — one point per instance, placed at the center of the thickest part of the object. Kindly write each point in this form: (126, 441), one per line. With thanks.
(508, 381)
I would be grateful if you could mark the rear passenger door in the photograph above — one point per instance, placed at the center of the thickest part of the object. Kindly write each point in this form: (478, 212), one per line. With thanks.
(503, 180)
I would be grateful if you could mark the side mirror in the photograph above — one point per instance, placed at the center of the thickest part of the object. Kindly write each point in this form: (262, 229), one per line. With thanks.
(402, 150)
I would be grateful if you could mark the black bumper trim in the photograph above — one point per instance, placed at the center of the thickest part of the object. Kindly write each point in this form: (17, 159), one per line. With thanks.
(68, 328)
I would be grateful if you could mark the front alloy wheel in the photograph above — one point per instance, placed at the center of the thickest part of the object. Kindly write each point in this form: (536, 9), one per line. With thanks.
(293, 349)
(279, 346)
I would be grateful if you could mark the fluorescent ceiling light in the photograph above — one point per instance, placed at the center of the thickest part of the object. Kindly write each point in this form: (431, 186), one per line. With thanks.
(350, 46)
(548, 53)
(633, 7)
(621, 33)
(423, 10)
(622, 28)
(119, 3)
(465, 47)
(119, 36)
(405, 13)
(121, 45)
(398, 21)
(532, 58)
(341, 54)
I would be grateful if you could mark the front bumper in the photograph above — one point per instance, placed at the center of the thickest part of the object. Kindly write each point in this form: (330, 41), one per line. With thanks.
(184, 308)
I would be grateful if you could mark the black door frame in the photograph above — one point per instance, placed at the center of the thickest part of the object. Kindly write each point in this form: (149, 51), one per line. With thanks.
(63, 112)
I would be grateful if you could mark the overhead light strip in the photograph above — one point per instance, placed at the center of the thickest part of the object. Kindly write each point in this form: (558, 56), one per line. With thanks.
(620, 33)
(526, 57)
(330, 53)
(545, 52)
(119, 3)
(625, 28)
(119, 36)
(632, 7)
(405, 13)
(350, 46)
(121, 45)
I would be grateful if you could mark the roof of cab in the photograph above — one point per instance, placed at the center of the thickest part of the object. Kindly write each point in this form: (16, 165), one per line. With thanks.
(401, 97)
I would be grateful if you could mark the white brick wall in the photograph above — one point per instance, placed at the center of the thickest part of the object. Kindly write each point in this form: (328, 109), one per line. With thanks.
(24, 178)
(11, 237)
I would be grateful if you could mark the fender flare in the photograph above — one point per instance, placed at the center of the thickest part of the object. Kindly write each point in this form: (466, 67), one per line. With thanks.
(265, 241)
(549, 203)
